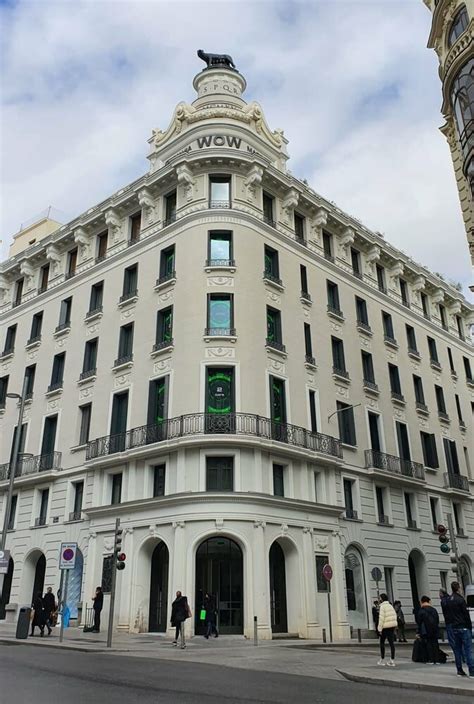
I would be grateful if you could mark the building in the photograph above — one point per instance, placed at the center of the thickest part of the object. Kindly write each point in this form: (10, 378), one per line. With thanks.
(250, 379)
(452, 37)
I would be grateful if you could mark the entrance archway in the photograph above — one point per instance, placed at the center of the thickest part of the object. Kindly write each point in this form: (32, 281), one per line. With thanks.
(7, 587)
(356, 593)
(418, 577)
(219, 572)
(40, 571)
(278, 605)
(157, 619)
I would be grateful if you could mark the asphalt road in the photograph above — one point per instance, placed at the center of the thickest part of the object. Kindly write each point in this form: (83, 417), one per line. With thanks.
(49, 676)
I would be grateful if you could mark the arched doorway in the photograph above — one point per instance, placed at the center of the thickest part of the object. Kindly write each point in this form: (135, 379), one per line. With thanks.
(74, 589)
(40, 570)
(7, 587)
(278, 606)
(356, 593)
(418, 578)
(158, 616)
(219, 572)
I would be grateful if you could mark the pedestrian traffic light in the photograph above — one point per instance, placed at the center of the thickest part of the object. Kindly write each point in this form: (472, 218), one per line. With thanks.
(121, 557)
(443, 538)
(118, 554)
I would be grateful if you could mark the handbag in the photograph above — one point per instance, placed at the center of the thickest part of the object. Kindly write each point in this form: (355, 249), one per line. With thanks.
(188, 611)
(202, 615)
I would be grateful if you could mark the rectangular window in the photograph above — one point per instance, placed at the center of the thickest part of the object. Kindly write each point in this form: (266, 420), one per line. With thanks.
(440, 400)
(21, 450)
(304, 281)
(355, 261)
(348, 485)
(219, 251)
(328, 246)
(108, 565)
(430, 453)
(125, 348)
(312, 411)
(268, 203)
(90, 356)
(116, 489)
(403, 442)
(97, 295)
(274, 332)
(451, 361)
(65, 313)
(57, 374)
(443, 580)
(467, 462)
(78, 499)
(159, 476)
(10, 340)
(387, 326)
(404, 293)
(467, 368)
(411, 339)
(432, 350)
(368, 367)
(419, 392)
(3, 390)
(388, 576)
(394, 375)
(219, 191)
(49, 441)
(374, 431)
(135, 227)
(170, 208)
(30, 373)
(278, 408)
(459, 326)
(379, 495)
(451, 455)
(338, 359)
(381, 278)
(86, 412)
(307, 343)
(102, 242)
(459, 409)
(361, 312)
(130, 282)
(43, 507)
(18, 292)
(36, 326)
(345, 417)
(442, 316)
(322, 583)
(272, 267)
(425, 305)
(409, 509)
(71, 263)
(167, 263)
(44, 278)
(457, 515)
(219, 474)
(158, 397)
(278, 480)
(299, 222)
(118, 423)
(12, 516)
(434, 511)
(220, 396)
(220, 314)
(333, 297)
(164, 328)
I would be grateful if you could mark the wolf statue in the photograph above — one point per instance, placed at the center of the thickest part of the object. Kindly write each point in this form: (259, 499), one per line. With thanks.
(216, 59)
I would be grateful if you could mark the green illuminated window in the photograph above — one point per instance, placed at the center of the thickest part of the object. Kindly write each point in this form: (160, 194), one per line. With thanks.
(220, 390)
(164, 325)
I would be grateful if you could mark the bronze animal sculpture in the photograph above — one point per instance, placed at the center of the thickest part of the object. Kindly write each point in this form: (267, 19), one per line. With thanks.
(216, 59)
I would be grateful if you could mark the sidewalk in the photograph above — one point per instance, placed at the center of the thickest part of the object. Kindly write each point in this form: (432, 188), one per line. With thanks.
(349, 660)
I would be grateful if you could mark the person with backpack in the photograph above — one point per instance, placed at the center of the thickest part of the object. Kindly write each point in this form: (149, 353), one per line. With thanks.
(397, 605)
(458, 619)
(427, 620)
(386, 627)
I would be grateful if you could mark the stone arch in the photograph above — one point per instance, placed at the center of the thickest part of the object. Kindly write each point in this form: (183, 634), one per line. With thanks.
(418, 573)
(6, 589)
(284, 585)
(466, 571)
(32, 576)
(140, 613)
(356, 586)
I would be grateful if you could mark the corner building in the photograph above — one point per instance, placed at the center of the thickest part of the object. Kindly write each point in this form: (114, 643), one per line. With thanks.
(250, 379)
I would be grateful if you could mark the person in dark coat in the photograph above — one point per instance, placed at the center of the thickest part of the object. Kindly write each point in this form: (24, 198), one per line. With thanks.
(38, 615)
(211, 614)
(456, 615)
(97, 605)
(397, 605)
(179, 613)
(49, 604)
(375, 615)
(427, 620)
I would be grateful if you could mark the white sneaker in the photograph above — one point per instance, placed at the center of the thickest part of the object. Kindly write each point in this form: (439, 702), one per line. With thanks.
(381, 662)
(391, 663)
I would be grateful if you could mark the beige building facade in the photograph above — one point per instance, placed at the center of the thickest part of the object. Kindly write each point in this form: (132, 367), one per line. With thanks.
(251, 380)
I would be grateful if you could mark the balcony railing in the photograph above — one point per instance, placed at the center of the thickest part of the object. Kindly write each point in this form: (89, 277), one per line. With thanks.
(220, 332)
(456, 481)
(75, 515)
(271, 277)
(357, 273)
(422, 407)
(411, 523)
(32, 465)
(442, 415)
(329, 256)
(40, 521)
(305, 295)
(370, 385)
(170, 276)
(94, 311)
(7, 352)
(269, 220)
(219, 204)
(163, 345)
(394, 465)
(397, 396)
(384, 520)
(55, 386)
(332, 310)
(220, 424)
(63, 326)
(351, 513)
(273, 344)
(343, 373)
(34, 340)
(414, 353)
(126, 359)
(364, 326)
(70, 274)
(389, 340)
(435, 364)
(128, 295)
(301, 240)
(220, 262)
(87, 373)
(309, 359)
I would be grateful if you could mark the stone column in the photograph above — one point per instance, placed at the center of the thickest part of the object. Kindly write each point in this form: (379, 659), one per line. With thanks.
(260, 601)
(178, 573)
(313, 628)
(341, 627)
(92, 577)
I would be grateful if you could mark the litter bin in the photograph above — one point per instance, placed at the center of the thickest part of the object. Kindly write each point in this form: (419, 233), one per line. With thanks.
(23, 624)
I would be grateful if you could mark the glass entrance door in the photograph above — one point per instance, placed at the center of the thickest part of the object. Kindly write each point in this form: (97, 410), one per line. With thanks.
(219, 572)
(159, 589)
(278, 590)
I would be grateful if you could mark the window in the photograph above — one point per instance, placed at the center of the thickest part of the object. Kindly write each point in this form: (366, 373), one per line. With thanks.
(394, 377)
(170, 208)
(278, 480)
(338, 360)
(451, 361)
(312, 411)
(86, 412)
(220, 394)
(12, 516)
(30, 373)
(90, 357)
(118, 423)
(368, 367)
(71, 263)
(97, 294)
(345, 417)
(388, 576)
(430, 453)
(458, 25)
(459, 326)
(108, 566)
(278, 408)
(403, 442)
(49, 441)
(322, 583)
(328, 246)
(440, 400)
(462, 100)
(411, 340)
(268, 202)
(116, 489)
(435, 512)
(164, 328)
(361, 312)
(130, 282)
(355, 260)
(167, 263)
(404, 293)
(432, 350)
(333, 298)
(219, 251)
(125, 348)
(44, 278)
(409, 500)
(36, 326)
(374, 432)
(442, 315)
(307, 344)
(219, 474)
(43, 507)
(299, 222)
(451, 455)
(348, 487)
(388, 326)
(220, 191)
(102, 242)
(65, 314)
(220, 314)
(382, 516)
(3, 390)
(157, 408)
(457, 515)
(274, 333)
(23, 430)
(272, 267)
(458, 409)
(159, 475)
(77, 502)
(10, 340)
(381, 278)
(18, 292)
(419, 392)
(57, 374)
(467, 367)
(467, 462)
(443, 580)
(425, 305)
(135, 227)
(304, 282)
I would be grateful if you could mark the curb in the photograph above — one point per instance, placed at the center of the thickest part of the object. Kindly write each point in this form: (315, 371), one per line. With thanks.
(445, 689)
(58, 646)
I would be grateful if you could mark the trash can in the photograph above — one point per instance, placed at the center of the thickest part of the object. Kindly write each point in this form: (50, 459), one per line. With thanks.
(23, 624)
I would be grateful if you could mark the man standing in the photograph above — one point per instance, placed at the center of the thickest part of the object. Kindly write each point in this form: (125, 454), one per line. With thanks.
(458, 619)
(98, 603)
(49, 603)
(180, 611)
(428, 622)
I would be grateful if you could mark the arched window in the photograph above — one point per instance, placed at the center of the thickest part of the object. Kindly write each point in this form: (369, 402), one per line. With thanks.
(458, 25)
(462, 98)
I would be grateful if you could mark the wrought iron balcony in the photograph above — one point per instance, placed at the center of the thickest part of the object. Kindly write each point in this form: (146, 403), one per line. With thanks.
(220, 262)
(275, 345)
(343, 373)
(422, 407)
(309, 359)
(269, 220)
(163, 345)
(55, 386)
(125, 359)
(128, 295)
(63, 326)
(219, 204)
(75, 515)
(88, 373)
(301, 240)
(365, 327)
(220, 332)
(170, 276)
(411, 523)
(405, 302)
(351, 513)
(397, 397)
(435, 364)
(357, 273)
(443, 416)
(170, 220)
(337, 312)
(305, 295)
(383, 289)
(42, 289)
(34, 340)
(329, 257)
(370, 385)
(247, 424)
(94, 311)
(414, 353)
(383, 519)
(100, 259)
(389, 340)
(456, 481)
(271, 277)
(16, 303)
(7, 352)
(32, 464)
(133, 240)
(70, 274)
(394, 465)
(40, 521)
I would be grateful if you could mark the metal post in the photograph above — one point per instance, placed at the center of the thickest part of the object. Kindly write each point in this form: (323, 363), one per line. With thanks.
(64, 602)
(324, 635)
(329, 612)
(112, 590)
(255, 633)
(378, 590)
(359, 636)
(454, 544)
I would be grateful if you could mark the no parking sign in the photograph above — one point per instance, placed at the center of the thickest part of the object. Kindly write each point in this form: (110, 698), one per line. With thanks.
(67, 556)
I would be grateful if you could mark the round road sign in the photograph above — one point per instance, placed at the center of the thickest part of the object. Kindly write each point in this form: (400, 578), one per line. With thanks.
(376, 574)
(68, 554)
(327, 572)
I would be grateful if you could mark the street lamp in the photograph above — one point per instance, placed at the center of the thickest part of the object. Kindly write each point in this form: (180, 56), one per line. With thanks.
(341, 410)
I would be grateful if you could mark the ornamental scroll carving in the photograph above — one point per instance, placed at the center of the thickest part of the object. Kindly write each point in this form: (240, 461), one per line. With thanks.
(289, 203)
(186, 181)
(316, 225)
(83, 241)
(253, 182)
(147, 204)
(113, 222)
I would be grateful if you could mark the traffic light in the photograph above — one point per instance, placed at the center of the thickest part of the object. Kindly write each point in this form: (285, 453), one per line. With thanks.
(443, 539)
(119, 555)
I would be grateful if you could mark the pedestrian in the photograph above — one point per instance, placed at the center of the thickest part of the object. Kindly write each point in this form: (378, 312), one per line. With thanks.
(97, 604)
(210, 621)
(386, 627)
(443, 596)
(49, 604)
(180, 611)
(375, 615)
(38, 615)
(457, 617)
(397, 605)
(427, 620)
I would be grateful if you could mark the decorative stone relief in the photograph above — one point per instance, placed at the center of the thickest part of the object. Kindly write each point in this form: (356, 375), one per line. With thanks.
(28, 272)
(162, 366)
(259, 524)
(399, 414)
(306, 313)
(52, 405)
(274, 297)
(252, 182)
(166, 296)
(86, 392)
(321, 542)
(336, 326)
(54, 258)
(438, 296)
(365, 342)
(219, 523)
(108, 543)
(91, 329)
(6, 366)
(60, 343)
(289, 203)
(346, 239)
(284, 529)
(423, 422)
(83, 241)
(122, 380)
(311, 379)
(33, 354)
(276, 365)
(186, 181)
(26, 413)
(178, 524)
(373, 403)
(372, 257)
(391, 355)
(227, 281)
(114, 224)
(220, 353)
(415, 366)
(4, 288)
(342, 391)
(445, 431)
(395, 272)
(316, 225)
(307, 529)
(147, 204)
(125, 314)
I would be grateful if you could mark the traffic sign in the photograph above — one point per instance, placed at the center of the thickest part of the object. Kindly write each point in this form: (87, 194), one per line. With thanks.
(67, 556)
(376, 574)
(327, 572)
(4, 561)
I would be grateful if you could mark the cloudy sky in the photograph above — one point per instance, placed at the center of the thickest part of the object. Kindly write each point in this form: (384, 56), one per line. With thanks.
(350, 81)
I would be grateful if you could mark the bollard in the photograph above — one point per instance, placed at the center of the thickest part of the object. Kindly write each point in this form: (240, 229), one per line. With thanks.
(255, 634)
(351, 632)
(324, 635)
(359, 636)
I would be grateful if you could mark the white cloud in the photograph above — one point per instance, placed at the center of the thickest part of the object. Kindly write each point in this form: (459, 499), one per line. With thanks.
(352, 84)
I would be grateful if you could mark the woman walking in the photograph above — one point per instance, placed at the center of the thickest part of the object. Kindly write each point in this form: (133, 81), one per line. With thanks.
(38, 615)
(180, 611)
(386, 628)
(210, 622)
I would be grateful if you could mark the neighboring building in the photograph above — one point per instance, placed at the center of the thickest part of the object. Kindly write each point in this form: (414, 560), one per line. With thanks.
(452, 37)
(187, 343)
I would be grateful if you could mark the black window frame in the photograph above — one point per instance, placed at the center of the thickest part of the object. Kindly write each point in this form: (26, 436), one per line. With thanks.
(346, 422)
(218, 202)
(220, 477)
(85, 423)
(278, 474)
(170, 204)
(159, 480)
(167, 255)
(96, 296)
(429, 450)
(222, 236)
(116, 487)
(125, 346)
(36, 325)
